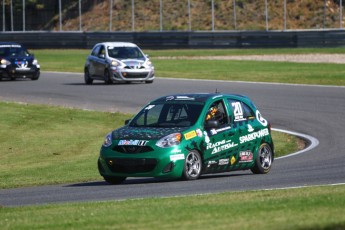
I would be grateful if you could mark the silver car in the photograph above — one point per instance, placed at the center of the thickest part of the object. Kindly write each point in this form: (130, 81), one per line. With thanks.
(118, 62)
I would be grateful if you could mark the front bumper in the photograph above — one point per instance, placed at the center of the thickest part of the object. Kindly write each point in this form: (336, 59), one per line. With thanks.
(167, 165)
(13, 72)
(126, 75)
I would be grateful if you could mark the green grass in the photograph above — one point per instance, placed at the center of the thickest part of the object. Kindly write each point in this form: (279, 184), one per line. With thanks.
(258, 71)
(317, 208)
(39, 144)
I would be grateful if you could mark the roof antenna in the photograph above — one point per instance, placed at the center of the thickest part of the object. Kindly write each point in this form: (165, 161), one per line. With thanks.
(217, 91)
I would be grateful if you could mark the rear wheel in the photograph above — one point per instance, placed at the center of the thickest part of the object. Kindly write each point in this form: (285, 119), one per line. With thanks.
(114, 179)
(192, 166)
(263, 161)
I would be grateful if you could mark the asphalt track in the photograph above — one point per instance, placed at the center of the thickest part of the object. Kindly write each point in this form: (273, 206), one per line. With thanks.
(317, 111)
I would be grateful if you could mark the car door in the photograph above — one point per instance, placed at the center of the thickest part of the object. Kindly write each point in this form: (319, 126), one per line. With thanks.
(249, 131)
(220, 138)
(100, 61)
(93, 60)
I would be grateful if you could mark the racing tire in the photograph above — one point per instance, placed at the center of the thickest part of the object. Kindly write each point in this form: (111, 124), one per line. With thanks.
(114, 179)
(88, 80)
(264, 159)
(192, 166)
(149, 82)
(107, 78)
(36, 76)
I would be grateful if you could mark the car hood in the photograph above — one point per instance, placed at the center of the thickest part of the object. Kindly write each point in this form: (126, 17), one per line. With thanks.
(144, 133)
(133, 63)
(20, 58)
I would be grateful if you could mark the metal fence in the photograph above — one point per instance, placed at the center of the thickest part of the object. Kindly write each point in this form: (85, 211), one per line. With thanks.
(169, 15)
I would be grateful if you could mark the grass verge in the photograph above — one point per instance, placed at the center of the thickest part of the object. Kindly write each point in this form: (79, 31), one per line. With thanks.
(39, 144)
(304, 208)
(259, 71)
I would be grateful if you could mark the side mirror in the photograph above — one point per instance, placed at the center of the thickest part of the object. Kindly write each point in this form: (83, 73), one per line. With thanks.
(101, 56)
(127, 121)
(211, 124)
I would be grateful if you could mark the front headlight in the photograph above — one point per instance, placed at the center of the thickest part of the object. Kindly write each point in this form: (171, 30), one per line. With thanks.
(108, 140)
(35, 62)
(5, 62)
(114, 63)
(170, 140)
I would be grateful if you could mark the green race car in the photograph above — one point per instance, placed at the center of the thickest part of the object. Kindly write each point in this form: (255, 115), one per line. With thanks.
(186, 135)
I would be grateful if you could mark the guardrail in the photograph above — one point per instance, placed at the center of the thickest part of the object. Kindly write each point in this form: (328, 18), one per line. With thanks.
(177, 40)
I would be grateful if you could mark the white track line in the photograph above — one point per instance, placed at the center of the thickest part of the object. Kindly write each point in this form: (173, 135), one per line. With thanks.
(313, 142)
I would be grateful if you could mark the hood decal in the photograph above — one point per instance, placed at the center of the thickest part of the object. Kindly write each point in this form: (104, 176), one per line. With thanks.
(144, 133)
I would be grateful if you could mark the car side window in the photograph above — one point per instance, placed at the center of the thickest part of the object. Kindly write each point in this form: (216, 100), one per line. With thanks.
(101, 53)
(241, 111)
(95, 51)
(218, 113)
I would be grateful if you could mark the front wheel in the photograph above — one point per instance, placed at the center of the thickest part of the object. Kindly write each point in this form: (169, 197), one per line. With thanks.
(114, 179)
(88, 80)
(107, 77)
(36, 76)
(264, 159)
(192, 166)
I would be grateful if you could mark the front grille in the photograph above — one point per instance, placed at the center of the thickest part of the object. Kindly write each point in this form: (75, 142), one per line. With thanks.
(127, 165)
(132, 149)
(134, 67)
(135, 75)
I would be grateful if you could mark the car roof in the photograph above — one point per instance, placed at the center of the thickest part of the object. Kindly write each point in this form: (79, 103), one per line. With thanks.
(118, 44)
(199, 97)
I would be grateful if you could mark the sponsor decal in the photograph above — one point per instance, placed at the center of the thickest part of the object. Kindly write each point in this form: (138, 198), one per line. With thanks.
(176, 151)
(253, 136)
(223, 162)
(217, 96)
(190, 135)
(21, 64)
(18, 46)
(233, 160)
(183, 98)
(221, 146)
(250, 128)
(262, 120)
(133, 142)
(207, 139)
(211, 163)
(149, 107)
(246, 156)
(199, 132)
(215, 131)
(177, 157)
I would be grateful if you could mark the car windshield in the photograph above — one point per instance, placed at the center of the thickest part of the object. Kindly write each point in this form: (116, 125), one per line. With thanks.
(13, 51)
(175, 114)
(125, 52)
